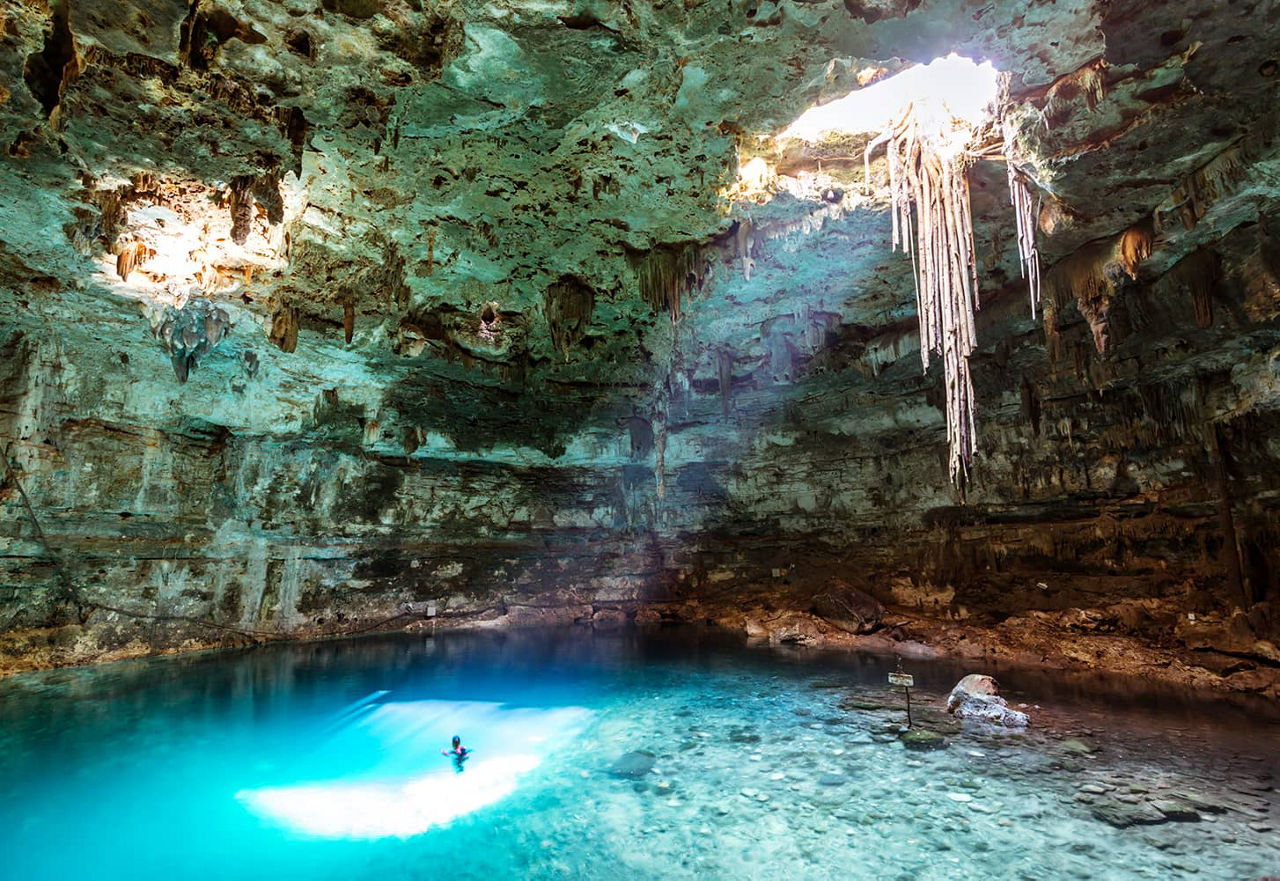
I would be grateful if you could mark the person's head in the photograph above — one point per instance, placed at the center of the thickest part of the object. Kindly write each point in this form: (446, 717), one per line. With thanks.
(457, 741)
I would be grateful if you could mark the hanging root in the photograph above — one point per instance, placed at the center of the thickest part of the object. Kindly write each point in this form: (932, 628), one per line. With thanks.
(1024, 217)
(924, 173)
(933, 222)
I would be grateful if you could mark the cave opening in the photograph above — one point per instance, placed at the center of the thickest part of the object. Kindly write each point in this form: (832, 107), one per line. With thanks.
(476, 438)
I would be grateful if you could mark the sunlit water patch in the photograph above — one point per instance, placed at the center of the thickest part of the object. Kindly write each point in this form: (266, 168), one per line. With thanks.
(668, 756)
(404, 788)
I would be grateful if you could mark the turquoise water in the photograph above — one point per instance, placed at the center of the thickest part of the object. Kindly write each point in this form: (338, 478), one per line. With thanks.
(323, 760)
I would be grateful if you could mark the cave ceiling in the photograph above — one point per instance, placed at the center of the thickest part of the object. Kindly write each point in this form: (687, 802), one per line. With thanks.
(517, 231)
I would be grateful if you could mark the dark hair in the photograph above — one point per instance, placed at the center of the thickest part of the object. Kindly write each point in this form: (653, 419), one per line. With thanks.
(456, 740)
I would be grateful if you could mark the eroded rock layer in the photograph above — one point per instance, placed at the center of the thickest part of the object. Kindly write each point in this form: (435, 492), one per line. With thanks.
(324, 315)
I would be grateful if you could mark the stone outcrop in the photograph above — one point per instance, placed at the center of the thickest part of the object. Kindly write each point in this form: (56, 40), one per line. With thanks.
(976, 698)
(517, 334)
(848, 608)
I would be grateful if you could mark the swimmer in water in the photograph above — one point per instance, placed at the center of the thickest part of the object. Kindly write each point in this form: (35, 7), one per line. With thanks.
(457, 752)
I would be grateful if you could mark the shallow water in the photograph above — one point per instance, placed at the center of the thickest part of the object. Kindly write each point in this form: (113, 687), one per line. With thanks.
(322, 760)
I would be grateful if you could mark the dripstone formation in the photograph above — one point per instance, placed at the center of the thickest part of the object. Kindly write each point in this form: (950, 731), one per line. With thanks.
(317, 314)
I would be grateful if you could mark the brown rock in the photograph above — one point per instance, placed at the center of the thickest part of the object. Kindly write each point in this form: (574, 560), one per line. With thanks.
(848, 608)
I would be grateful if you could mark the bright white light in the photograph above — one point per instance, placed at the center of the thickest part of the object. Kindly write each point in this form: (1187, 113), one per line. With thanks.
(754, 175)
(405, 786)
(382, 810)
(946, 89)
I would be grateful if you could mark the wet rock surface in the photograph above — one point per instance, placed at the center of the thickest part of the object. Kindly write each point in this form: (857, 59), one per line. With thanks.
(976, 697)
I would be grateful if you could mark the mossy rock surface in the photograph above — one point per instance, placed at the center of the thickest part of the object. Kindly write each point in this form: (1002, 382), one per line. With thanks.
(922, 739)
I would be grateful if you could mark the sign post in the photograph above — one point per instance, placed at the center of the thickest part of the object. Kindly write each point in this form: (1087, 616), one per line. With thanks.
(907, 681)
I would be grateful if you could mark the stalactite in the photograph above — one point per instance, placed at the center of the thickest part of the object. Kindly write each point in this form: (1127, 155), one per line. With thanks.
(1176, 407)
(348, 320)
(567, 305)
(1089, 81)
(240, 201)
(284, 328)
(266, 190)
(189, 333)
(724, 371)
(669, 274)
(1198, 274)
(1097, 311)
(1089, 277)
(1135, 247)
(1199, 190)
(641, 432)
(660, 458)
(1030, 405)
(129, 256)
(1052, 334)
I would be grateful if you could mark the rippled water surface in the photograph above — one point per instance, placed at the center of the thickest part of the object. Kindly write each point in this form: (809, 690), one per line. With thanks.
(323, 760)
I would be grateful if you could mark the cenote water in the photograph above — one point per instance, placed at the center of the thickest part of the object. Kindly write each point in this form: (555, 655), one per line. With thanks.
(323, 760)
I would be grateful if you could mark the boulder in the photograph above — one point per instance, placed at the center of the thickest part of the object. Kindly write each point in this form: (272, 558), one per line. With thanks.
(848, 608)
(1123, 815)
(977, 697)
(608, 619)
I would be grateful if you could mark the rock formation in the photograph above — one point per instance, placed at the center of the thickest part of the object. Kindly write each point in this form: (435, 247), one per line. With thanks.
(536, 321)
(977, 698)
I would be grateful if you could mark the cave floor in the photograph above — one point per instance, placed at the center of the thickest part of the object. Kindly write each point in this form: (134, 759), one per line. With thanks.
(663, 754)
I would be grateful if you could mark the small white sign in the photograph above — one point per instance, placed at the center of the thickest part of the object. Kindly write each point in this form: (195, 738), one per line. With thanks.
(431, 610)
(904, 679)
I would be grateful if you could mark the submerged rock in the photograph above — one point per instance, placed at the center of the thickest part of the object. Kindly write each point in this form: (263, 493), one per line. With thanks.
(977, 697)
(921, 739)
(1176, 810)
(1122, 815)
(633, 765)
(1077, 746)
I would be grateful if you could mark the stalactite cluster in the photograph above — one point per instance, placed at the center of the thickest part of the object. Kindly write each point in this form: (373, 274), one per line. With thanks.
(1198, 272)
(284, 328)
(1134, 247)
(1085, 277)
(567, 306)
(667, 275)
(1203, 187)
(130, 254)
(189, 333)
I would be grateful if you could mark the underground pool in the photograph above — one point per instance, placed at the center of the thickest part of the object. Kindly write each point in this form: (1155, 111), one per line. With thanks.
(671, 754)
